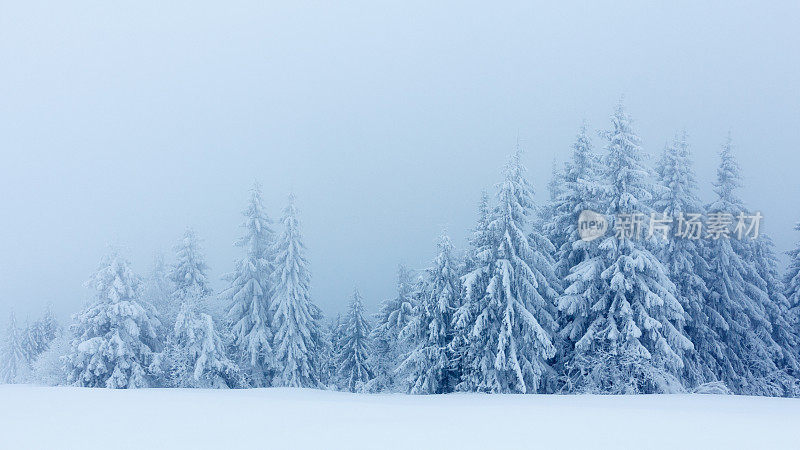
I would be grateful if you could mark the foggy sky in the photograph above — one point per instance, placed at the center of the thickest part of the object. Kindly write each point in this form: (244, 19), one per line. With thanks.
(125, 122)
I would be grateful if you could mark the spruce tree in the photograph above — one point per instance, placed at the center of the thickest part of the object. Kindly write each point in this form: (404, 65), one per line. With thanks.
(37, 335)
(13, 359)
(249, 295)
(387, 346)
(188, 275)
(114, 339)
(195, 354)
(295, 319)
(750, 361)
(511, 333)
(428, 368)
(582, 190)
(633, 340)
(158, 291)
(474, 281)
(791, 282)
(684, 253)
(779, 313)
(354, 367)
(329, 352)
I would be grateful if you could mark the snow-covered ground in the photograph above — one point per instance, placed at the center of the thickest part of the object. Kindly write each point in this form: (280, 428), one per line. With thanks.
(75, 418)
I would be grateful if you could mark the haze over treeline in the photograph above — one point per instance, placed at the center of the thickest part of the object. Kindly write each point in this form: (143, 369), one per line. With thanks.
(127, 123)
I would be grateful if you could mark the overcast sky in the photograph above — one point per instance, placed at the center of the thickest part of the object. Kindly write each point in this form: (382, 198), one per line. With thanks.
(124, 122)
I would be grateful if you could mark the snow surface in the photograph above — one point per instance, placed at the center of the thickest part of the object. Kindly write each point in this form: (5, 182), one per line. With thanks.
(33, 417)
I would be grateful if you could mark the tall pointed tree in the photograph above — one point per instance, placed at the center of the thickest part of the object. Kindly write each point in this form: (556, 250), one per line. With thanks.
(13, 359)
(188, 275)
(354, 367)
(158, 291)
(511, 337)
(779, 313)
(329, 352)
(387, 346)
(743, 301)
(474, 281)
(684, 255)
(746, 299)
(428, 368)
(634, 340)
(249, 295)
(195, 354)
(116, 337)
(792, 284)
(582, 190)
(295, 319)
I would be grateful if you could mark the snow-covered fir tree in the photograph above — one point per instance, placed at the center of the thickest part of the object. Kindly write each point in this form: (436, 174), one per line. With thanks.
(188, 275)
(391, 319)
(744, 303)
(428, 368)
(751, 360)
(249, 295)
(791, 280)
(158, 289)
(37, 335)
(295, 318)
(115, 337)
(473, 287)
(633, 340)
(48, 325)
(50, 366)
(683, 253)
(354, 367)
(14, 364)
(581, 190)
(779, 313)
(543, 213)
(329, 352)
(195, 354)
(512, 331)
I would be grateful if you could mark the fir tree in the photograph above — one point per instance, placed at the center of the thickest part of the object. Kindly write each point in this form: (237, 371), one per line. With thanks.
(683, 253)
(13, 359)
(249, 295)
(792, 283)
(158, 291)
(115, 337)
(749, 361)
(633, 340)
(296, 320)
(778, 311)
(37, 336)
(387, 347)
(582, 190)
(354, 368)
(195, 355)
(428, 367)
(188, 275)
(474, 283)
(511, 335)
(329, 352)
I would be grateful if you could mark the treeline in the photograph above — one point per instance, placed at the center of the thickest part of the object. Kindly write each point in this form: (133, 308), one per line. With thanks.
(529, 307)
